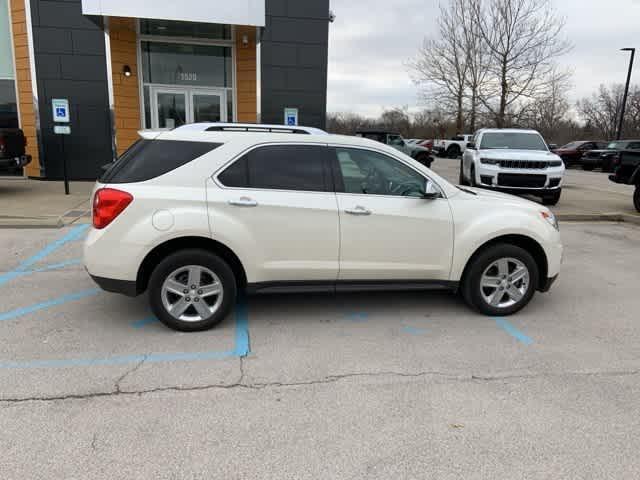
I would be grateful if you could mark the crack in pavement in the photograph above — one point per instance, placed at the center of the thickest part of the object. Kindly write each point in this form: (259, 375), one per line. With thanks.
(326, 380)
(132, 370)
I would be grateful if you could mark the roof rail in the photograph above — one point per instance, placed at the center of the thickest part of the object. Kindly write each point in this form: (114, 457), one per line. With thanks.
(250, 127)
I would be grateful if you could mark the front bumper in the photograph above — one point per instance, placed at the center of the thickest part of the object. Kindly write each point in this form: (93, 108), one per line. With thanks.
(546, 285)
(494, 176)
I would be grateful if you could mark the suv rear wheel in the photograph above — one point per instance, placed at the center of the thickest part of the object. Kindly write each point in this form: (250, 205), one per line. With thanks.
(192, 290)
(501, 280)
(636, 198)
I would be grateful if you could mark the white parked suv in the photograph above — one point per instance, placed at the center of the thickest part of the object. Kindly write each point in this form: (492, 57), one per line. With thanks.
(197, 214)
(514, 161)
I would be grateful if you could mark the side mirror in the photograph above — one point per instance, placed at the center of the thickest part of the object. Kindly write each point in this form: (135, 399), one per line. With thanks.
(430, 191)
(471, 145)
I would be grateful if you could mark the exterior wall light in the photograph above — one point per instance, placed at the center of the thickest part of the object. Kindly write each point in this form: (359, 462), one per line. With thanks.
(126, 71)
(245, 40)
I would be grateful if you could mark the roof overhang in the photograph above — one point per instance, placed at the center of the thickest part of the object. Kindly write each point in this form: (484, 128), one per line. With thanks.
(235, 12)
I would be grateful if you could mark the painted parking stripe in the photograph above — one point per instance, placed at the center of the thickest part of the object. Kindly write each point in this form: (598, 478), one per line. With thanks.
(513, 331)
(53, 266)
(241, 349)
(73, 234)
(19, 312)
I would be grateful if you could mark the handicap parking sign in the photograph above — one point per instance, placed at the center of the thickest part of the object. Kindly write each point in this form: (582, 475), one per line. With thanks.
(60, 110)
(291, 117)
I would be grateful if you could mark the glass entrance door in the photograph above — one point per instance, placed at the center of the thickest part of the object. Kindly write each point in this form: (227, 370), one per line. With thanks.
(172, 107)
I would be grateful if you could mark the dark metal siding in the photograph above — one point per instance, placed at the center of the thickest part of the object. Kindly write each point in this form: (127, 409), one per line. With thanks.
(70, 63)
(294, 60)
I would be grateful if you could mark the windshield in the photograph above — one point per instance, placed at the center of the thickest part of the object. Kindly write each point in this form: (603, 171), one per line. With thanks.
(615, 146)
(572, 145)
(512, 141)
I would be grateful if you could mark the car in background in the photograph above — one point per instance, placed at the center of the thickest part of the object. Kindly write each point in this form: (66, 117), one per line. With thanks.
(515, 161)
(396, 141)
(12, 150)
(572, 153)
(452, 148)
(609, 157)
(200, 214)
(627, 171)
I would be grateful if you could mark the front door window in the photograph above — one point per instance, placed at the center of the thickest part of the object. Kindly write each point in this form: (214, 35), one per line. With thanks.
(171, 110)
(206, 107)
(172, 107)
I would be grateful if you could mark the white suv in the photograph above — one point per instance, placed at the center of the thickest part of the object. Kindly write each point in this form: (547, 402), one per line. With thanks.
(515, 161)
(197, 214)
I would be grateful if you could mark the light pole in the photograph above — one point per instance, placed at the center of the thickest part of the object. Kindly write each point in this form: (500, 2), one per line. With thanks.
(626, 90)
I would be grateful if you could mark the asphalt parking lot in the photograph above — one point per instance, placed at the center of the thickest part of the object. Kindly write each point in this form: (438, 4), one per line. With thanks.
(397, 385)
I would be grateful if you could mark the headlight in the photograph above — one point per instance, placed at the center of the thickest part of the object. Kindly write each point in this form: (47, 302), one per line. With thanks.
(551, 218)
(490, 161)
(555, 163)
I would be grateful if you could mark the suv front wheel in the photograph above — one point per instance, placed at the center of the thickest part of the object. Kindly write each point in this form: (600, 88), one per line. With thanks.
(192, 290)
(501, 280)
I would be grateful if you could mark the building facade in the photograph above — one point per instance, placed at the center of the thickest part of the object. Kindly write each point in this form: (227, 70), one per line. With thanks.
(126, 65)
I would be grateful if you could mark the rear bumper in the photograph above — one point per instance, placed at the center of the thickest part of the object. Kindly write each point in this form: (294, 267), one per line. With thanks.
(15, 162)
(124, 287)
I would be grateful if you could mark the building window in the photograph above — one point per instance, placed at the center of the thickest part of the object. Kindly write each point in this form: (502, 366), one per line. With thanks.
(169, 28)
(187, 73)
(185, 64)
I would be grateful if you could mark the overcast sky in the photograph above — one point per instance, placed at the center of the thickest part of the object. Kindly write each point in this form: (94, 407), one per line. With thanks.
(372, 39)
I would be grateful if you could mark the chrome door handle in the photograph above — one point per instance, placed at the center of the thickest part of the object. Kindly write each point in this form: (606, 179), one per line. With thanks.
(243, 202)
(358, 210)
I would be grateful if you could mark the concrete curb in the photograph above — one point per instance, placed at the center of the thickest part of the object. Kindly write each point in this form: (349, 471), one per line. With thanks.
(30, 222)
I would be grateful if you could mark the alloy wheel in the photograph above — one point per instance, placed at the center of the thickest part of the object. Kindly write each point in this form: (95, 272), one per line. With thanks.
(504, 282)
(192, 293)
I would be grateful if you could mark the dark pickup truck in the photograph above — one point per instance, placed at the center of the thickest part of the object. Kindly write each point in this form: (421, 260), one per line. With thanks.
(627, 171)
(12, 150)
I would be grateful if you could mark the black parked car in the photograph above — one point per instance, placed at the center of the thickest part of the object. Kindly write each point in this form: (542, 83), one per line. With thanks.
(12, 150)
(607, 158)
(627, 171)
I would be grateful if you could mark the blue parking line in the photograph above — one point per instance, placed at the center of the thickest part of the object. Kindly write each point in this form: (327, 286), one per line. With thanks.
(413, 330)
(513, 331)
(71, 235)
(53, 266)
(19, 312)
(144, 322)
(241, 349)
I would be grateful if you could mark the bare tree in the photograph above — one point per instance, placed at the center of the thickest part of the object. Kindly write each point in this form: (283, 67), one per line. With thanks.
(523, 39)
(602, 110)
(440, 67)
(547, 113)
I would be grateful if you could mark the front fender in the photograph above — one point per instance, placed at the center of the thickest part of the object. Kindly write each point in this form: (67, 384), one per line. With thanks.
(478, 227)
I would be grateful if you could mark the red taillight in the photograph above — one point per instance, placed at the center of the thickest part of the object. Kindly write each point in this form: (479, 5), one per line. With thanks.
(2, 144)
(108, 203)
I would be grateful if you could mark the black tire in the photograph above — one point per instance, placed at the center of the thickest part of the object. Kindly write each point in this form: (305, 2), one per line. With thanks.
(453, 151)
(636, 198)
(553, 198)
(472, 176)
(472, 292)
(185, 258)
(588, 168)
(462, 180)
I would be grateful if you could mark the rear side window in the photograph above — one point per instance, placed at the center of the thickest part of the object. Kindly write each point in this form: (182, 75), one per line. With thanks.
(279, 167)
(147, 159)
